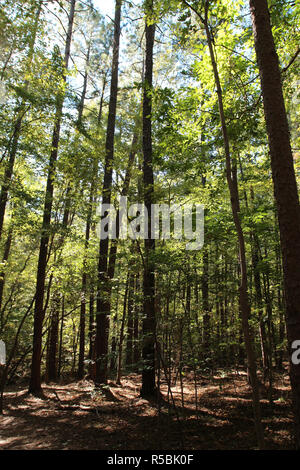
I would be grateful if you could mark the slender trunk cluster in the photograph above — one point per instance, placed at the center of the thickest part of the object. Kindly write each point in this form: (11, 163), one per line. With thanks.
(235, 206)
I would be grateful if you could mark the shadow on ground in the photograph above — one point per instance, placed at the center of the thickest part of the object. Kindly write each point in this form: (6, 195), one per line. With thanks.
(78, 416)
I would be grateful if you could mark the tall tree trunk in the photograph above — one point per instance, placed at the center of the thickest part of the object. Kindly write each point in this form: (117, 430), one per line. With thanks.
(285, 187)
(130, 320)
(92, 277)
(235, 206)
(114, 243)
(103, 284)
(149, 321)
(80, 372)
(35, 377)
(84, 279)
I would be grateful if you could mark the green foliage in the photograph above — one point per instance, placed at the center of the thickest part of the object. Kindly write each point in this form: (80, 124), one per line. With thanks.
(188, 162)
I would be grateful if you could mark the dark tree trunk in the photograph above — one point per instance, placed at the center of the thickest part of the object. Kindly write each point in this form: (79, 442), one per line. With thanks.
(149, 321)
(285, 187)
(84, 88)
(103, 282)
(113, 351)
(35, 377)
(130, 320)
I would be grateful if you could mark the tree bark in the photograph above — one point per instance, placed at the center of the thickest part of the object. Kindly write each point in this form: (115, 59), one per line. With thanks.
(84, 279)
(103, 284)
(149, 321)
(35, 377)
(285, 186)
(136, 348)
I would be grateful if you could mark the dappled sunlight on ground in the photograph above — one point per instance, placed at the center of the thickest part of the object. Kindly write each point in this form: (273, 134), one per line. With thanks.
(76, 416)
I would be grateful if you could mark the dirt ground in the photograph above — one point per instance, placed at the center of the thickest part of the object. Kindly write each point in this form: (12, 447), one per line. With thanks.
(76, 416)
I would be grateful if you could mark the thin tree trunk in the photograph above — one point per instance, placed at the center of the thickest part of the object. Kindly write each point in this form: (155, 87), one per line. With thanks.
(84, 88)
(35, 377)
(114, 243)
(205, 304)
(102, 99)
(51, 363)
(136, 349)
(59, 366)
(53, 338)
(80, 372)
(121, 338)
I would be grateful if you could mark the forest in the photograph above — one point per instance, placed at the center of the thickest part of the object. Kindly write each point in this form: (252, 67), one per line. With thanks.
(174, 324)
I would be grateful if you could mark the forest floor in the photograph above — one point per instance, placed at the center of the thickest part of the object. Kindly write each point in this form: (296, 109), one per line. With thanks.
(75, 416)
